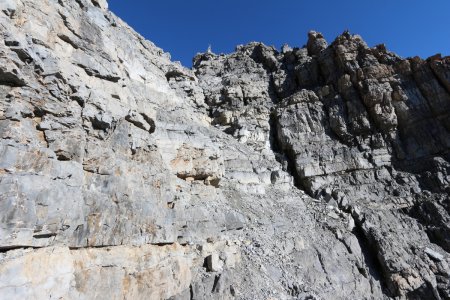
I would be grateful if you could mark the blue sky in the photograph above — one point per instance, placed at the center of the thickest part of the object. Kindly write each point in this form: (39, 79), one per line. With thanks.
(183, 28)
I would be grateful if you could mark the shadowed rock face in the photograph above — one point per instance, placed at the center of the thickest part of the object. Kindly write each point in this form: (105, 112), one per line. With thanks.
(308, 173)
(359, 128)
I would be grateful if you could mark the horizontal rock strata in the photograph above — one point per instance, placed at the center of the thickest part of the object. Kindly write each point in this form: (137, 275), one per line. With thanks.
(319, 172)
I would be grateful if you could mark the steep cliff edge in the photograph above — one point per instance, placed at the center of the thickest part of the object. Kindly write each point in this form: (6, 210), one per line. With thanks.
(319, 172)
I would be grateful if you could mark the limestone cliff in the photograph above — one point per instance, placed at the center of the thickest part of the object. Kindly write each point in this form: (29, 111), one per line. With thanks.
(319, 172)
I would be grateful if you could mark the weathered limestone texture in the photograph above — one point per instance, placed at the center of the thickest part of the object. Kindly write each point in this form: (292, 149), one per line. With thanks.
(320, 172)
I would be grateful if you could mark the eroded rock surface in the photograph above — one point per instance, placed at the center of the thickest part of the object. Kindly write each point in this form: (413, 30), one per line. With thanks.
(319, 172)
(358, 128)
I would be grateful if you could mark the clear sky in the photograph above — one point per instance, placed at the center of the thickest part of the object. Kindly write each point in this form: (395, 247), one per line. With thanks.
(185, 27)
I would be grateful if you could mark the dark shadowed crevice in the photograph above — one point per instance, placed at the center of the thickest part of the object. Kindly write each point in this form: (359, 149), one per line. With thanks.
(286, 157)
(371, 260)
(268, 61)
(425, 291)
(95, 3)
(68, 40)
(44, 235)
(80, 3)
(5, 249)
(216, 284)
(94, 73)
(11, 79)
(434, 217)
(191, 292)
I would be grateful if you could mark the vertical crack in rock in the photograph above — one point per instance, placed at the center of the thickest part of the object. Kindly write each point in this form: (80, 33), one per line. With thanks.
(191, 292)
(285, 157)
(216, 284)
(371, 257)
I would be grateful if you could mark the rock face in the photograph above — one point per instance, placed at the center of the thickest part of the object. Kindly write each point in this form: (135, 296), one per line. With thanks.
(319, 172)
(358, 128)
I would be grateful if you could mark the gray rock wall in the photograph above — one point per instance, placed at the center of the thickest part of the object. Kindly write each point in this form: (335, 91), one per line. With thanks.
(319, 172)
(358, 128)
